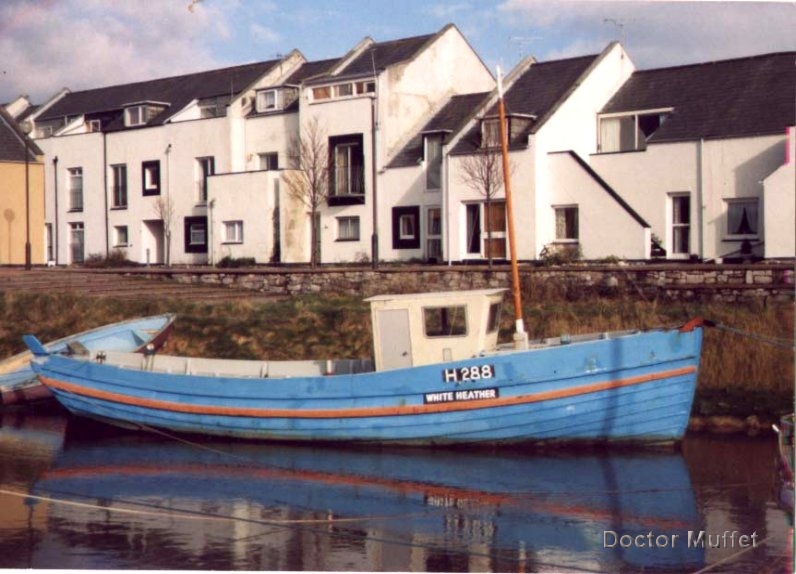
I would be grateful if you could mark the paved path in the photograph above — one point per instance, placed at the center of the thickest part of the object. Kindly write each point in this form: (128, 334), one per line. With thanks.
(116, 284)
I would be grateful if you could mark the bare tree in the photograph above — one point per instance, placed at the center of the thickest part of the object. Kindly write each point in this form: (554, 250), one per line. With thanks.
(164, 208)
(308, 180)
(482, 171)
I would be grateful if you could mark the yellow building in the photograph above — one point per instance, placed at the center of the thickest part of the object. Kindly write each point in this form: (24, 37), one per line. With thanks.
(21, 196)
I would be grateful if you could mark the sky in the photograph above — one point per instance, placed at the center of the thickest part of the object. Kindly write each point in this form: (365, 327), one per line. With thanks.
(46, 45)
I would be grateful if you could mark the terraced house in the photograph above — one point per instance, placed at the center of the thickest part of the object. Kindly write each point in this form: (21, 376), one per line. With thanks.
(606, 160)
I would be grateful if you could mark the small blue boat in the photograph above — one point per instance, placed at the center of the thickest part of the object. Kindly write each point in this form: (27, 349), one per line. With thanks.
(438, 377)
(19, 384)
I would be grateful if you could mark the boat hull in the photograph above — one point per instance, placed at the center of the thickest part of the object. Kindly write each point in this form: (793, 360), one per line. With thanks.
(633, 388)
(19, 383)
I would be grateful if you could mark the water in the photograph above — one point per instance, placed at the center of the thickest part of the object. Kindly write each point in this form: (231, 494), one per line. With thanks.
(79, 495)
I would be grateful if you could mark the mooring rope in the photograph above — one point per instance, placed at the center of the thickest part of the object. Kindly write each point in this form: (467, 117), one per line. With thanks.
(777, 342)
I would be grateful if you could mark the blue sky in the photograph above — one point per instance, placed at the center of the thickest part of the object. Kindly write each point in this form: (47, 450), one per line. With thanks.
(46, 45)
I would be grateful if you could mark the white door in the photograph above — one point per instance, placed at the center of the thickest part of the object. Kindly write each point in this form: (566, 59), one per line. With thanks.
(396, 346)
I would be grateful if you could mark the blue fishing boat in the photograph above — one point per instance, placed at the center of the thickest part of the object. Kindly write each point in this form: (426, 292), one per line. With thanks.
(19, 384)
(439, 377)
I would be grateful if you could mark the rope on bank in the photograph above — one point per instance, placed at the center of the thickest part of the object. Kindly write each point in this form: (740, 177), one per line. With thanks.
(777, 342)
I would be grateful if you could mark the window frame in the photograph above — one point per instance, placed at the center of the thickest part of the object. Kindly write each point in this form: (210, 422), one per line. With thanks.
(734, 202)
(76, 197)
(192, 226)
(569, 237)
(236, 226)
(680, 225)
(432, 152)
(119, 197)
(205, 167)
(348, 228)
(150, 177)
(121, 236)
(400, 238)
(434, 326)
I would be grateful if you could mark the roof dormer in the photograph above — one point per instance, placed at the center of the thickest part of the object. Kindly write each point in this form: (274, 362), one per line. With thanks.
(141, 113)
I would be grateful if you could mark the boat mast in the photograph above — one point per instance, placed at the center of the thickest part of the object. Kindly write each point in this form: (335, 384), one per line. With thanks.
(520, 336)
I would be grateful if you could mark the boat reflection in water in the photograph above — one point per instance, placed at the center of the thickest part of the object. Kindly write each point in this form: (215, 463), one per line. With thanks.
(247, 506)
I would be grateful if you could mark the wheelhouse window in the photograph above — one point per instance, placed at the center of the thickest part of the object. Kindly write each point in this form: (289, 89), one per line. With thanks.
(348, 228)
(743, 218)
(151, 177)
(119, 186)
(445, 321)
(205, 167)
(567, 223)
(493, 320)
(233, 232)
(681, 224)
(76, 189)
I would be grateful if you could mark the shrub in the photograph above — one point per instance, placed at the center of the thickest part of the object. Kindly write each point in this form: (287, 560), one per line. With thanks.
(233, 262)
(116, 258)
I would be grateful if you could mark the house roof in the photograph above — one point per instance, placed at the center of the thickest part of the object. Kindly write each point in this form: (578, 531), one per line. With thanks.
(537, 92)
(176, 91)
(12, 140)
(382, 55)
(369, 57)
(729, 98)
(453, 116)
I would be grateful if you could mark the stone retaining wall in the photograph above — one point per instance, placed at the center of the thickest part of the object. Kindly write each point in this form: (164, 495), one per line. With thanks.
(691, 282)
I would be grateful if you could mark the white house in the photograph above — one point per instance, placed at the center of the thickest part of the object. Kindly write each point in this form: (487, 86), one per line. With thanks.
(698, 151)
(606, 160)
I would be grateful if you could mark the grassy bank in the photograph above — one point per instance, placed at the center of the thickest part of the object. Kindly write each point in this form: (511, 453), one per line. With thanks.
(740, 375)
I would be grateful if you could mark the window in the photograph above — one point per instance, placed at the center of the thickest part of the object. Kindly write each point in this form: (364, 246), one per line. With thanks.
(76, 189)
(322, 93)
(139, 115)
(434, 233)
(493, 321)
(269, 161)
(566, 223)
(742, 218)
(473, 228)
(205, 167)
(196, 234)
(150, 173)
(134, 116)
(445, 321)
(405, 227)
(348, 228)
(267, 100)
(348, 173)
(433, 161)
(76, 242)
(120, 237)
(119, 186)
(629, 132)
(681, 224)
(233, 232)
(343, 90)
(366, 87)
(94, 126)
(490, 133)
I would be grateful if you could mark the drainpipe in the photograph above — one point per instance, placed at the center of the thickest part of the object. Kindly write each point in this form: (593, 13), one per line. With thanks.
(55, 231)
(375, 237)
(105, 193)
(699, 198)
(446, 228)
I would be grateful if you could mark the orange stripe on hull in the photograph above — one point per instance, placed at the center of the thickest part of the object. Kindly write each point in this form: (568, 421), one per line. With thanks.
(363, 411)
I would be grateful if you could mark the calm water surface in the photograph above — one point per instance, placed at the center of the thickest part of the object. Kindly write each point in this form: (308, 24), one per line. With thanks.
(78, 495)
